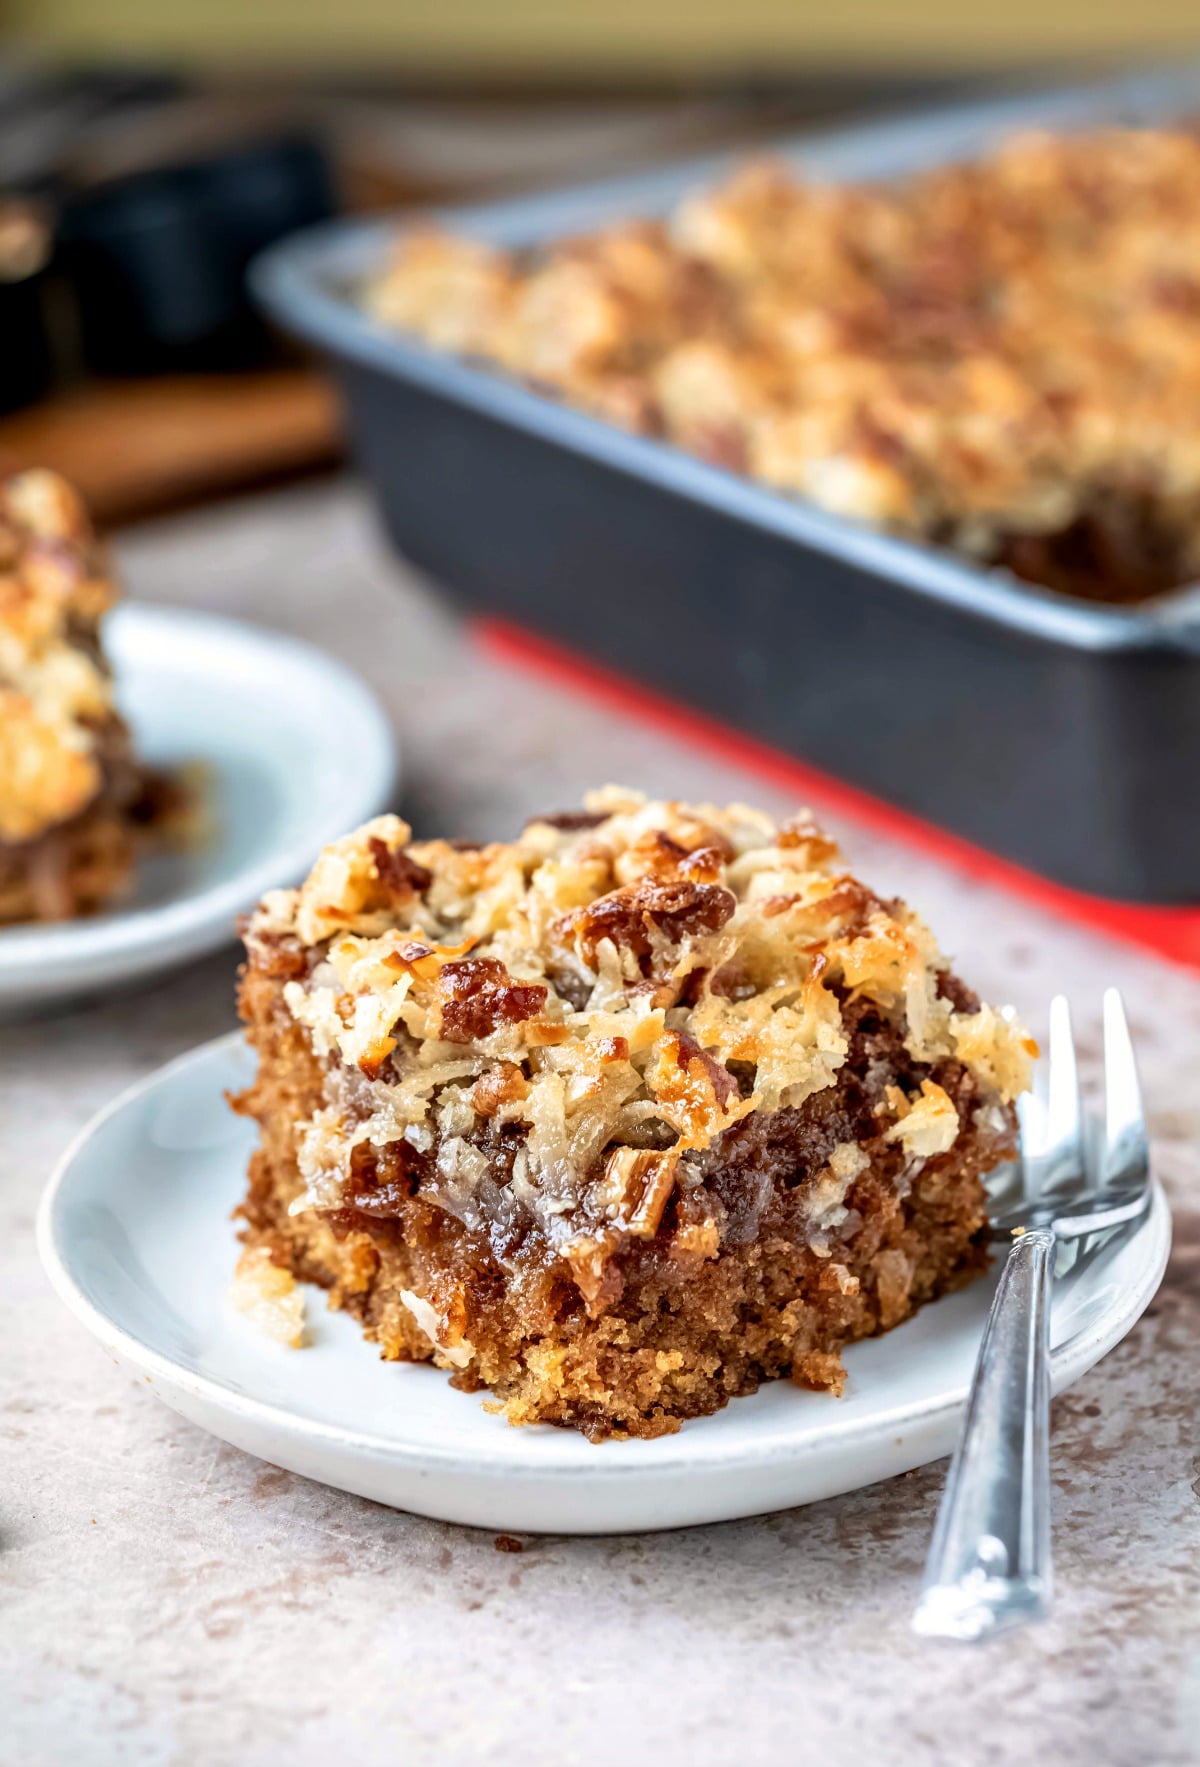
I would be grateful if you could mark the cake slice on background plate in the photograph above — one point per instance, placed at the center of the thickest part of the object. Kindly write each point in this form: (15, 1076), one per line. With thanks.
(72, 798)
(621, 1118)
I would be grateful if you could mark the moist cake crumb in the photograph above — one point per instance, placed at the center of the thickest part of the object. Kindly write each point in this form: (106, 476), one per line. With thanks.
(269, 1297)
(621, 1118)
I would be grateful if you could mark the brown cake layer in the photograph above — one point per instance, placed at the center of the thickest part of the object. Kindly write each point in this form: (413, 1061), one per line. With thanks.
(73, 869)
(733, 1288)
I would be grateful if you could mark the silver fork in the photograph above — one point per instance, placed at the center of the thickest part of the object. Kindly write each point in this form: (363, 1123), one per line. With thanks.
(989, 1564)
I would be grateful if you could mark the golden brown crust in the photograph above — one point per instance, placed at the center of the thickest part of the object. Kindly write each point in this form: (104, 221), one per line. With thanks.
(1003, 356)
(570, 1112)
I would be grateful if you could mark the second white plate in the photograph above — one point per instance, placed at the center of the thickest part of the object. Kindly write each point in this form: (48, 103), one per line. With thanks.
(295, 751)
(135, 1234)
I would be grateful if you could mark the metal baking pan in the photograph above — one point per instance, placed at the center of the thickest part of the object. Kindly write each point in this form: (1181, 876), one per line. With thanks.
(1059, 734)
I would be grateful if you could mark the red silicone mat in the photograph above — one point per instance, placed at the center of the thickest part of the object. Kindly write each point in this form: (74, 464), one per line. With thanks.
(1170, 932)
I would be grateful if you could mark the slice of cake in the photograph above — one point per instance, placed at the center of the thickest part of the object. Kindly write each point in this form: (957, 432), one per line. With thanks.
(69, 789)
(621, 1118)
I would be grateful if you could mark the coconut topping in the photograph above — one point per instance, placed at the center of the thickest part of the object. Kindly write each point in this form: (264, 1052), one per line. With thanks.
(56, 710)
(597, 1003)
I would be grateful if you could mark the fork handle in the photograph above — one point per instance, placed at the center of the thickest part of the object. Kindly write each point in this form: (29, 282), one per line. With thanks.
(989, 1561)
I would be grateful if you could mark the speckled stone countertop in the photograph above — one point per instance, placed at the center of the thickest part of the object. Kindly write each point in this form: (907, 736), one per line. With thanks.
(166, 1599)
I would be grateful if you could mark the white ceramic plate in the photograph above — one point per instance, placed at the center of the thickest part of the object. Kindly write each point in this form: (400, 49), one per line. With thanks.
(135, 1234)
(295, 751)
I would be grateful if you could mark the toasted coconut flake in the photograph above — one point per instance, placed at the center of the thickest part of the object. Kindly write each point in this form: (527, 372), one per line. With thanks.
(929, 1125)
(998, 1048)
(694, 1093)
(344, 890)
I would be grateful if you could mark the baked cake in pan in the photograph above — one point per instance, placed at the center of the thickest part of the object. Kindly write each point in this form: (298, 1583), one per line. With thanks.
(1003, 356)
(70, 793)
(618, 1119)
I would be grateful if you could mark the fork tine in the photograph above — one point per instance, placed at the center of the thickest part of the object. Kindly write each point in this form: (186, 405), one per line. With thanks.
(1126, 1153)
(1061, 1158)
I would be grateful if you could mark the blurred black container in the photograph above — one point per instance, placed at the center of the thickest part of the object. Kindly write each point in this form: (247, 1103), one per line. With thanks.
(157, 258)
(25, 367)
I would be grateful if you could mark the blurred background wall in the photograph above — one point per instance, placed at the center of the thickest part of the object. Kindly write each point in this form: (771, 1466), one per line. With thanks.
(602, 38)
(135, 362)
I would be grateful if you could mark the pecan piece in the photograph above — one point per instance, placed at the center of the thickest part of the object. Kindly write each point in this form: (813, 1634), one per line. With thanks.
(598, 1279)
(660, 856)
(280, 955)
(573, 821)
(961, 998)
(498, 1086)
(635, 1187)
(704, 865)
(678, 911)
(397, 871)
(478, 996)
(630, 1196)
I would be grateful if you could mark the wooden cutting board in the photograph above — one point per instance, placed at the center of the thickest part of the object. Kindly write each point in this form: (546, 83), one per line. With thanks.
(132, 447)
